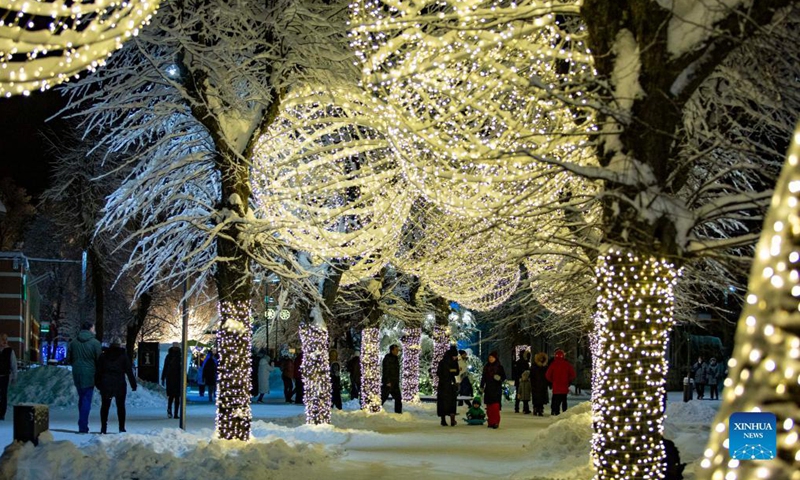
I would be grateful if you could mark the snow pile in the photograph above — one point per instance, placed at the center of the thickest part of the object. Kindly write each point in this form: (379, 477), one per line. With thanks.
(53, 386)
(170, 453)
(691, 413)
(569, 435)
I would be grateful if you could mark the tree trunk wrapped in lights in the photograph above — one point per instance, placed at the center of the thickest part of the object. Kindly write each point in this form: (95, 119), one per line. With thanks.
(233, 399)
(765, 368)
(635, 315)
(316, 373)
(371, 370)
(411, 350)
(441, 342)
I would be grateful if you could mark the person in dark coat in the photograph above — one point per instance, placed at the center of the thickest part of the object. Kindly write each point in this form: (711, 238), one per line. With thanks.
(539, 384)
(298, 378)
(210, 367)
(699, 371)
(171, 377)
(520, 365)
(83, 354)
(336, 380)
(390, 378)
(560, 374)
(287, 375)
(492, 385)
(354, 369)
(714, 372)
(8, 372)
(446, 395)
(112, 368)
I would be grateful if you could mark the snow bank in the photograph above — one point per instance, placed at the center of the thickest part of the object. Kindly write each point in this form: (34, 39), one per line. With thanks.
(53, 386)
(691, 413)
(171, 453)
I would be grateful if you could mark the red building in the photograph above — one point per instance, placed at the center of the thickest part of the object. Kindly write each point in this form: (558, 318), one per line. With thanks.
(19, 306)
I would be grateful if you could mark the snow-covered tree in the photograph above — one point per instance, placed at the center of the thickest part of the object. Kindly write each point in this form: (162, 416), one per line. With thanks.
(185, 103)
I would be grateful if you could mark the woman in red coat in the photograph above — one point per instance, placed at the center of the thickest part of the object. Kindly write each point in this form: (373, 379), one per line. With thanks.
(560, 374)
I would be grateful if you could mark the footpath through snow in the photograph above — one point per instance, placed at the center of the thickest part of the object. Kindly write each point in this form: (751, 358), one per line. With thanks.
(356, 446)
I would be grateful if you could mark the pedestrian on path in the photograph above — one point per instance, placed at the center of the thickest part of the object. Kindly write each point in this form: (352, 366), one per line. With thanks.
(539, 384)
(83, 354)
(390, 378)
(112, 368)
(492, 385)
(447, 392)
(8, 372)
(265, 369)
(172, 378)
(210, 367)
(336, 380)
(560, 374)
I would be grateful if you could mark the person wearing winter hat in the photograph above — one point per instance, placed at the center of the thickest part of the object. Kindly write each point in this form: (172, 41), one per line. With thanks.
(560, 374)
(475, 414)
(539, 395)
(447, 392)
(492, 385)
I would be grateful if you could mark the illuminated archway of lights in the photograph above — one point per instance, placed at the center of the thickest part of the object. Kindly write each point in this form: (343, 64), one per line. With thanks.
(371, 370)
(635, 305)
(411, 351)
(468, 79)
(234, 346)
(316, 373)
(44, 43)
(764, 372)
(326, 178)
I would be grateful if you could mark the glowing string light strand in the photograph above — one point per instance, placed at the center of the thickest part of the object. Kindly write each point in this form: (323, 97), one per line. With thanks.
(44, 43)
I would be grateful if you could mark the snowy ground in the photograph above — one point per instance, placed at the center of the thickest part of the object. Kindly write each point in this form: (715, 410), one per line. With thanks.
(356, 446)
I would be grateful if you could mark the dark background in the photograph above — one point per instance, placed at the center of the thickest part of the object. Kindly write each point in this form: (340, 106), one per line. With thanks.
(23, 149)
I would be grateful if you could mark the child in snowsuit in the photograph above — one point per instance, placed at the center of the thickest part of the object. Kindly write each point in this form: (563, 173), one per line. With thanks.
(524, 391)
(475, 414)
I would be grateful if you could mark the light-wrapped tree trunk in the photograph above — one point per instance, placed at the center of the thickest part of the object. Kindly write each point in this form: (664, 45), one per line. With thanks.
(233, 398)
(371, 370)
(635, 316)
(411, 350)
(441, 342)
(765, 368)
(316, 373)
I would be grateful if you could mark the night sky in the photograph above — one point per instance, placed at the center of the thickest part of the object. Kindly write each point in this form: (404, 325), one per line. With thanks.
(23, 152)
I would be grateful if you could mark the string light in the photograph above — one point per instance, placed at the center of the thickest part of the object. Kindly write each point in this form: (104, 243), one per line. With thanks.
(467, 79)
(634, 317)
(411, 351)
(44, 43)
(233, 398)
(441, 343)
(315, 370)
(764, 372)
(326, 179)
(370, 370)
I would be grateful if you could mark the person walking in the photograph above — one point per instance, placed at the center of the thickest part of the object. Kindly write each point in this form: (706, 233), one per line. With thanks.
(298, 378)
(8, 372)
(336, 380)
(171, 377)
(699, 371)
(492, 380)
(560, 374)
(520, 365)
(265, 369)
(539, 395)
(210, 367)
(112, 368)
(354, 370)
(390, 378)
(201, 383)
(446, 394)
(83, 354)
(524, 391)
(287, 375)
(714, 372)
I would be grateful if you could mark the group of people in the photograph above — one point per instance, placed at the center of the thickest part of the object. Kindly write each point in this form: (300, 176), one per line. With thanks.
(533, 382)
(106, 369)
(292, 378)
(710, 374)
(206, 376)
